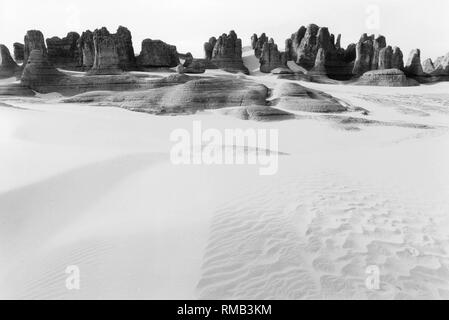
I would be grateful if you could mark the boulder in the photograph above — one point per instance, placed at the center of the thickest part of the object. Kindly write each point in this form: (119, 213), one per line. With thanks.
(86, 50)
(385, 58)
(364, 55)
(18, 51)
(156, 53)
(428, 66)
(227, 53)
(34, 40)
(106, 59)
(209, 48)
(386, 78)
(270, 57)
(397, 61)
(64, 53)
(413, 66)
(8, 67)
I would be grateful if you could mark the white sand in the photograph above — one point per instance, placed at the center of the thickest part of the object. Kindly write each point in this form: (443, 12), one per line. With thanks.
(94, 187)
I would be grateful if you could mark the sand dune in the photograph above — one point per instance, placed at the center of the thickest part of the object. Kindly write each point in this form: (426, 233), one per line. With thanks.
(94, 187)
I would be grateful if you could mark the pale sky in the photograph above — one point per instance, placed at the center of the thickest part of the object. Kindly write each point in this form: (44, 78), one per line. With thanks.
(188, 24)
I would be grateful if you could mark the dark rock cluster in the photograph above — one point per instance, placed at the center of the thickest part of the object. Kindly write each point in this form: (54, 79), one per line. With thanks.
(226, 53)
(63, 53)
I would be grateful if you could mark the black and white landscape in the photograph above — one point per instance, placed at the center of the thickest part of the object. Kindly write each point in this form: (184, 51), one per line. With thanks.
(345, 195)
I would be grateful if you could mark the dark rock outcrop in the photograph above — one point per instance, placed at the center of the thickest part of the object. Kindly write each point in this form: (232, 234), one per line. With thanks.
(292, 44)
(125, 50)
(364, 55)
(34, 40)
(64, 53)
(413, 66)
(308, 48)
(195, 66)
(385, 58)
(320, 62)
(258, 46)
(397, 61)
(106, 59)
(8, 67)
(188, 59)
(227, 53)
(18, 51)
(86, 50)
(40, 75)
(270, 57)
(156, 53)
(209, 48)
(378, 44)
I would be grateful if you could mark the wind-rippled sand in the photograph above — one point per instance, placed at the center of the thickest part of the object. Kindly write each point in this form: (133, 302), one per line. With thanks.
(94, 187)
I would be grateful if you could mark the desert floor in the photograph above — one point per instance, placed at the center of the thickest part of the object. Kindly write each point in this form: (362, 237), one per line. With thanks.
(94, 187)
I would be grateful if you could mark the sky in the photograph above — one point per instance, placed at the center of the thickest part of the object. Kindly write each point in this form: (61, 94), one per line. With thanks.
(408, 24)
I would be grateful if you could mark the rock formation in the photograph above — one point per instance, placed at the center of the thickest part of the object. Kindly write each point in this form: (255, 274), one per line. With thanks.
(308, 47)
(209, 48)
(64, 53)
(292, 44)
(8, 67)
(442, 65)
(320, 62)
(258, 45)
(270, 57)
(193, 95)
(188, 59)
(34, 40)
(364, 54)
(386, 78)
(294, 97)
(106, 59)
(18, 51)
(385, 58)
(125, 50)
(195, 66)
(227, 53)
(156, 53)
(40, 75)
(428, 66)
(397, 61)
(413, 66)
(378, 44)
(86, 50)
